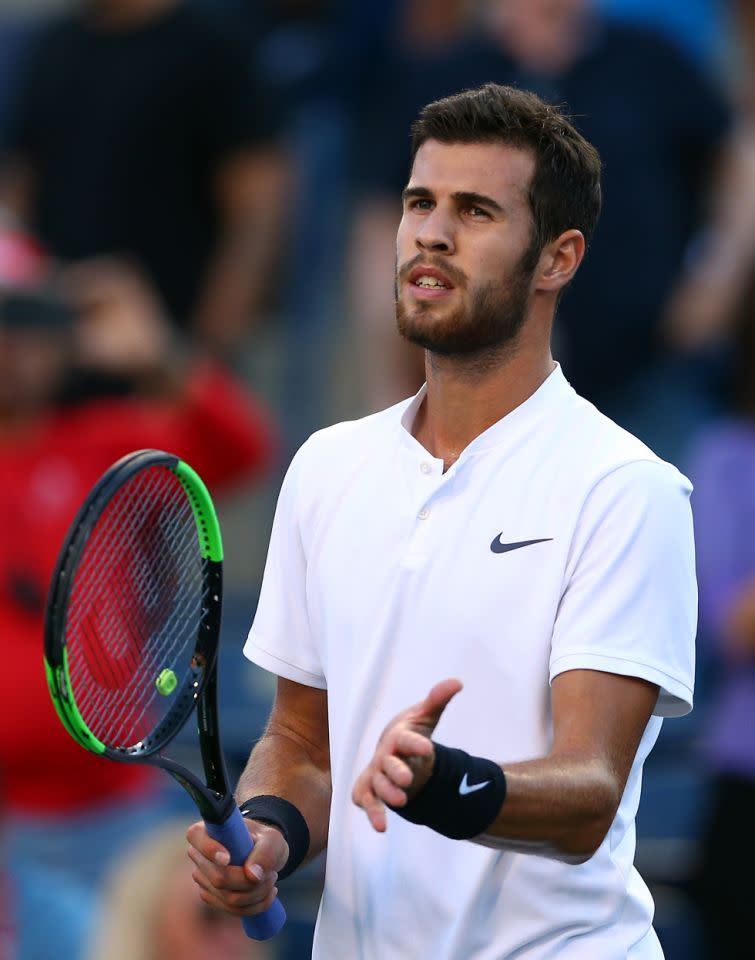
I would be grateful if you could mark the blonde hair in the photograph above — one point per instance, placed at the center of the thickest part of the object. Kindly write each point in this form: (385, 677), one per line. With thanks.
(133, 897)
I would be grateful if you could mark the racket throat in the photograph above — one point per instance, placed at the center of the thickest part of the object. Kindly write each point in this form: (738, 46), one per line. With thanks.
(214, 806)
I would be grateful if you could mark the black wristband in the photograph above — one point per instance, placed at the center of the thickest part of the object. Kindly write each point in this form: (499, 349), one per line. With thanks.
(279, 813)
(462, 797)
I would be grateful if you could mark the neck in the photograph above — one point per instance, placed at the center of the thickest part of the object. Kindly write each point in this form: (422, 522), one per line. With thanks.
(466, 396)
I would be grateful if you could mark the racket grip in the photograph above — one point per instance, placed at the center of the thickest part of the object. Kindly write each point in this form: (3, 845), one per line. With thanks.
(234, 836)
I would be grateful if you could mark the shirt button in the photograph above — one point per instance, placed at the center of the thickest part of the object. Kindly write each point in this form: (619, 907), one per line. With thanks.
(423, 514)
(424, 467)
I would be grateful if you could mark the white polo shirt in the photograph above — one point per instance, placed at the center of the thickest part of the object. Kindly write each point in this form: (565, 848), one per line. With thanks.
(385, 575)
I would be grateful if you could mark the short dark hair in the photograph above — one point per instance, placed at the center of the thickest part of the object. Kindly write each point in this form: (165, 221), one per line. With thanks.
(565, 190)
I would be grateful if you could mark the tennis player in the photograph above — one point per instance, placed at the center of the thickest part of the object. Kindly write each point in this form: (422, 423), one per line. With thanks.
(495, 552)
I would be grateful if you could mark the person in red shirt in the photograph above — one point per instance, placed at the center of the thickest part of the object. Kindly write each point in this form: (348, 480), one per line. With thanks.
(109, 330)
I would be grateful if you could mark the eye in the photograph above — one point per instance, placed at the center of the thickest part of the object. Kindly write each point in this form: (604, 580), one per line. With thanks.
(478, 213)
(420, 203)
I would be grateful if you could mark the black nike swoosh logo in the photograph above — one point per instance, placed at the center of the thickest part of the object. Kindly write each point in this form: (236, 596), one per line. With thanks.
(497, 547)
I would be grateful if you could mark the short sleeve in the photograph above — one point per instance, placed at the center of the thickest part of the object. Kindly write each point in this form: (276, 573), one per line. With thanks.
(280, 639)
(630, 602)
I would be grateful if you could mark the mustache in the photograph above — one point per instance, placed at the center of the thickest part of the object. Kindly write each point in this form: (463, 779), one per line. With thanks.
(457, 278)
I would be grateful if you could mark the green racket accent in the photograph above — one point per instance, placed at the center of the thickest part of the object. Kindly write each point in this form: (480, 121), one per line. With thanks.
(208, 528)
(166, 682)
(53, 688)
(69, 715)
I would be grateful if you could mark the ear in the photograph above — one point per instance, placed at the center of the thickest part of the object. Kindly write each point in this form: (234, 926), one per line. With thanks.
(560, 260)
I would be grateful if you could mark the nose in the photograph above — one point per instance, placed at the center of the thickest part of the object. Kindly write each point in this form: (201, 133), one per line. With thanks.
(436, 233)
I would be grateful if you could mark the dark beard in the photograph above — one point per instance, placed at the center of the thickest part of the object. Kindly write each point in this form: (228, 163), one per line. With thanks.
(493, 320)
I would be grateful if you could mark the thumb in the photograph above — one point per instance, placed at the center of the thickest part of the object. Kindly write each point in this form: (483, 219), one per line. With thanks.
(429, 711)
(270, 850)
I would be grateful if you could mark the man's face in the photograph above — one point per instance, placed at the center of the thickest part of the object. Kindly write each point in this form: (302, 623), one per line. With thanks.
(463, 248)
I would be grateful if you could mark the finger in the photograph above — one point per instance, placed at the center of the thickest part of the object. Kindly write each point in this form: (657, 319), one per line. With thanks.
(226, 879)
(361, 785)
(387, 791)
(270, 851)
(397, 771)
(376, 815)
(364, 797)
(199, 838)
(207, 894)
(238, 910)
(235, 900)
(410, 743)
(432, 707)
(245, 901)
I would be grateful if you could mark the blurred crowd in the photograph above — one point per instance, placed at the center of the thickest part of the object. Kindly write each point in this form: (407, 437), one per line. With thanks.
(198, 205)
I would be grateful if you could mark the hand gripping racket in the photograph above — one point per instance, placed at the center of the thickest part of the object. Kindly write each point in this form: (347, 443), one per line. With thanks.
(131, 634)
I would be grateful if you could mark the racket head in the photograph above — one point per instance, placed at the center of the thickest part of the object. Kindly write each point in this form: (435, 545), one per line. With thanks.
(133, 614)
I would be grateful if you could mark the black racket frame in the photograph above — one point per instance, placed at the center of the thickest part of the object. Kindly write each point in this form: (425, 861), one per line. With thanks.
(213, 798)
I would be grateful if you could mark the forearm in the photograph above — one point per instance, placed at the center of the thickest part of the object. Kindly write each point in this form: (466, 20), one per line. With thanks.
(283, 764)
(251, 189)
(558, 807)
(233, 288)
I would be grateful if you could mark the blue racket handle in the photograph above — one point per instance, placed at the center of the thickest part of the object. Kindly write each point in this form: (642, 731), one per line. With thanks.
(234, 836)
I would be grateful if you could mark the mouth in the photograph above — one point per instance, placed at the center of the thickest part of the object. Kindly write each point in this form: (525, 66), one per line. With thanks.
(429, 278)
(429, 283)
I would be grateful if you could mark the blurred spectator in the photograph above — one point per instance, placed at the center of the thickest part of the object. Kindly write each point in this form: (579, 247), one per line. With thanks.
(697, 25)
(659, 125)
(718, 268)
(309, 55)
(139, 132)
(435, 53)
(55, 442)
(152, 910)
(723, 471)
(304, 58)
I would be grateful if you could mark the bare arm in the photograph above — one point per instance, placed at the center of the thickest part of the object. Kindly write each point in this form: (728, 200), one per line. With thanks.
(701, 305)
(291, 760)
(250, 194)
(563, 804)
(560, 805)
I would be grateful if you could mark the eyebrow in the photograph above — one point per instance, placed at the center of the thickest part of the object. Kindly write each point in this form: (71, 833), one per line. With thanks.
(464, 197)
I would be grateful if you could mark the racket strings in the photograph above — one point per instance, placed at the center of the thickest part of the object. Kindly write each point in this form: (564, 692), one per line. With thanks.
(160, 657)
(117, 527)
(110, 723)
(110, 653)
(148, 596)
(116, 615)
(129, 703)
(135, 607)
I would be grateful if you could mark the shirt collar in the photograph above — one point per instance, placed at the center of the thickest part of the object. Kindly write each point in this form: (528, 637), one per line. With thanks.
(551, 392)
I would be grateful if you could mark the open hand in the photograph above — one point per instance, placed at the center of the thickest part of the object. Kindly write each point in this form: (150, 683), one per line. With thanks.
(404, 757)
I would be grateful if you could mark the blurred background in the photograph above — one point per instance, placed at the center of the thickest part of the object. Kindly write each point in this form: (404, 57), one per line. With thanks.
(198, 203)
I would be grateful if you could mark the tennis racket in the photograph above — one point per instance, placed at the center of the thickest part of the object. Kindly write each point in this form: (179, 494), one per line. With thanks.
(131, 634)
